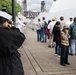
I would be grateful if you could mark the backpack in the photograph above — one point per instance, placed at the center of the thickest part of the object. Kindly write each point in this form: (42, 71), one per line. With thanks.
(45, 24)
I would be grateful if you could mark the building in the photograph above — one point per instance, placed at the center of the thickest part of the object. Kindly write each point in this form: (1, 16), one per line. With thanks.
(24, 5)
(64, 8)
(28, 14)
(43, 8)
(31, 14)
(60, 8)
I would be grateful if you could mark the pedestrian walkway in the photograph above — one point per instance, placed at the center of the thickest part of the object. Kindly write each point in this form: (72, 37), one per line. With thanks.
(38, 59)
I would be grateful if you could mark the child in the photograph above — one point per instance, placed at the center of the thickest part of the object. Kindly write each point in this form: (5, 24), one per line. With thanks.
(64, 46)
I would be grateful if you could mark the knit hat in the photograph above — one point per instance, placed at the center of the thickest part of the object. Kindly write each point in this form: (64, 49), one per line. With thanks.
(65, 27)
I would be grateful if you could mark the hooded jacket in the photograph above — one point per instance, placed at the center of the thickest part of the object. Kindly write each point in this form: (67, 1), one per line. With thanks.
(56, 31)
(73, 30)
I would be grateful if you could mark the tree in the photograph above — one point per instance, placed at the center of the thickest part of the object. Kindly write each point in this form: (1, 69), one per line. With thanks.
(8, 4)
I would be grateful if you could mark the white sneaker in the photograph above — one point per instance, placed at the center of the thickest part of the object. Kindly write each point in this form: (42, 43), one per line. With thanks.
(59, 56)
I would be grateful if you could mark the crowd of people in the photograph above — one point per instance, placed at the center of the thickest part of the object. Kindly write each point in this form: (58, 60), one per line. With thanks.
(60, 35)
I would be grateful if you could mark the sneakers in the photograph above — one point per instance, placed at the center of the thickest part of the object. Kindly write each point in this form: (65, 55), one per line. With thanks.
(55, 52)
(68, 63)
(53, 46)
(71, 54)
(49, 46)
(59, 56)
(63, 64)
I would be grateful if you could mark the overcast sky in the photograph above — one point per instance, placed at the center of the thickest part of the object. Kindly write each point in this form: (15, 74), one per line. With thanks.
(36, 4)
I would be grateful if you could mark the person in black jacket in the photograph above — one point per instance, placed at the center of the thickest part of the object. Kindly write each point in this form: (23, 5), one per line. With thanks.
(10, 40)
(56, 38)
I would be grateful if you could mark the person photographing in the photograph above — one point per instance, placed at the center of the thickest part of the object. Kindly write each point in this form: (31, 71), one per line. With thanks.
(11, 40)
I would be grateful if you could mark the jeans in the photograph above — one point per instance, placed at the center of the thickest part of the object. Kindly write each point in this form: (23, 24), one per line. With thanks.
(43, 35)
(57, 48)
(73, 46)
(39, 35)
(64, 54)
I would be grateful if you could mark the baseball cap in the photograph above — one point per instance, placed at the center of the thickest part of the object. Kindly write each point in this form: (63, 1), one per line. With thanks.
(53, 18)
(65, 27)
